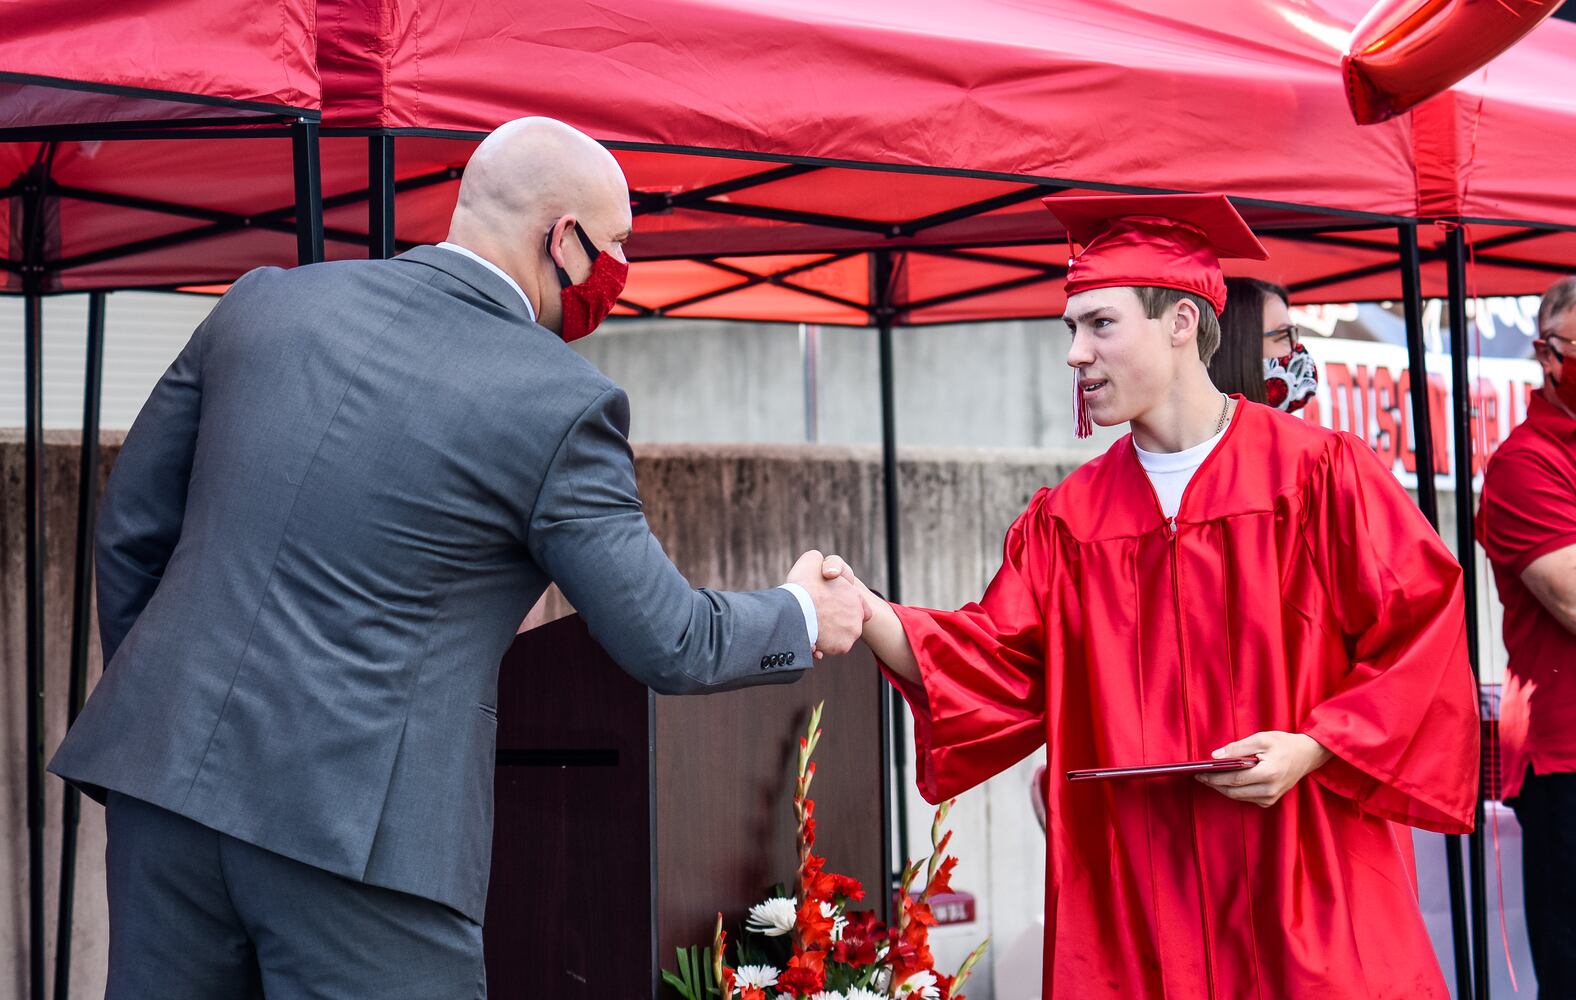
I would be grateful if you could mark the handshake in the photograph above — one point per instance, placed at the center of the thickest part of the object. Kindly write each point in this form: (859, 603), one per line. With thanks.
(843, 604)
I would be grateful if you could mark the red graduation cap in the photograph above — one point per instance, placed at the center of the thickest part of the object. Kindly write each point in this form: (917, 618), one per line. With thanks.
(1165, 240)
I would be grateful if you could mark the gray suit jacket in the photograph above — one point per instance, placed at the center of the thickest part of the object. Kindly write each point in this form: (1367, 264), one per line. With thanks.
(319, 539)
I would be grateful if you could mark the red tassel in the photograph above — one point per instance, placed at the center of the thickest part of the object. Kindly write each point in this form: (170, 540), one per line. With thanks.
(1083, 424)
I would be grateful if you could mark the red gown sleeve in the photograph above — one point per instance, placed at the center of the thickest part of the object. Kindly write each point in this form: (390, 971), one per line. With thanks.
(981, 706)
(1403, 725)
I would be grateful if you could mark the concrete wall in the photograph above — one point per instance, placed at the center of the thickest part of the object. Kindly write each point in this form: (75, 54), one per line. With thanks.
(731, 516)
(90, 947)
(994, 385)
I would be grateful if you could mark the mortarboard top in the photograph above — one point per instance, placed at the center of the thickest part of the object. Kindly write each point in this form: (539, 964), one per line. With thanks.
(1166, 240)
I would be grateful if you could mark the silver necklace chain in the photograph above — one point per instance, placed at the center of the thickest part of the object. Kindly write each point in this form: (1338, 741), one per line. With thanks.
(1225, 408)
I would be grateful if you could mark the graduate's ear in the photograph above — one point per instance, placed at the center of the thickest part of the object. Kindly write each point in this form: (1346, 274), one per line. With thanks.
(1184, 322)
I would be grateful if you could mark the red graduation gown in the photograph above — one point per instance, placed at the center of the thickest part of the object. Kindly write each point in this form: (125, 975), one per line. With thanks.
(1299, 589)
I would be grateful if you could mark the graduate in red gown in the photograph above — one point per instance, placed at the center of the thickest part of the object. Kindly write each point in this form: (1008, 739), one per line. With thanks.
(1226, 580)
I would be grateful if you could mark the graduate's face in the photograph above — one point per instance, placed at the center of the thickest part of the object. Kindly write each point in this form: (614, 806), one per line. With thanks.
(1126, 361)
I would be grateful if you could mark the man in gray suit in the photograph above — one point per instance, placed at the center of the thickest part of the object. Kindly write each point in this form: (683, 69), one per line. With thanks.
(317, 543)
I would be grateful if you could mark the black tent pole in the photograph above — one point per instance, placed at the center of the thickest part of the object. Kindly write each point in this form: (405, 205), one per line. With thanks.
(1456, 264)
(1422, 432)
(308, 191)
(81, 613)
(380, 197)
(893, 731)
(33, 372)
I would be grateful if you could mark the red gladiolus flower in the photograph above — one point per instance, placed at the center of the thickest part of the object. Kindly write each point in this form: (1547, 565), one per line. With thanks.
(752, 993)
(815, 883)
(864, 923)
(943, 880)
(814, 930)
(815, 961)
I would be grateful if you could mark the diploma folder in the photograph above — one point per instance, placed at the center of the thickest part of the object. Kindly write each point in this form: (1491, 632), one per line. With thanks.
(1159, 770)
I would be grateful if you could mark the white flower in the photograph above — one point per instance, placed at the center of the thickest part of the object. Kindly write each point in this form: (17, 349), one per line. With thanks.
(774, 918)
(759, 976)
(828, 995)
(860, 993)
(921, 985)
(838, 920)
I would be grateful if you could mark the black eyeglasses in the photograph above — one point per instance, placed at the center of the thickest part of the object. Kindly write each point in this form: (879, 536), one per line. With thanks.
(1291, 333)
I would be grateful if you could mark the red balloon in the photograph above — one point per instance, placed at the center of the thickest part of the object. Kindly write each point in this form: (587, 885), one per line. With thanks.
(1406, 51)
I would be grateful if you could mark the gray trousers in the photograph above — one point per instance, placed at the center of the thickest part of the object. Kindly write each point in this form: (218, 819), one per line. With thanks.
(198, 915)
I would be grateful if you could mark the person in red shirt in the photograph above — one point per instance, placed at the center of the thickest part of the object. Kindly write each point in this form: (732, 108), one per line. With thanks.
(1226, 581)
(1527, 526)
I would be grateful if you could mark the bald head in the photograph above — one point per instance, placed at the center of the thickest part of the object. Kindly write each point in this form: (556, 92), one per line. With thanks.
(524, 186)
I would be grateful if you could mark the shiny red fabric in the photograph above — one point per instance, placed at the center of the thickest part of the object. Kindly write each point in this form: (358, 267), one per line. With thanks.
(1406, 51)
(1492, 147)
(1168, 240)
(1301, 590)
(1529, 510)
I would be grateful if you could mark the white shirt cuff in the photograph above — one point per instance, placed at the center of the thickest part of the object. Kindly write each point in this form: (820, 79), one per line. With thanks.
(811, 624)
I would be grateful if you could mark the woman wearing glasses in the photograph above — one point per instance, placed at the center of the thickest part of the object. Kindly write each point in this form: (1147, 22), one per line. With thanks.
(1261, 354)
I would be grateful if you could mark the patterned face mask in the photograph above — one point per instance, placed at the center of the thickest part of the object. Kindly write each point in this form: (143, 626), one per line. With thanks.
(1291, 381)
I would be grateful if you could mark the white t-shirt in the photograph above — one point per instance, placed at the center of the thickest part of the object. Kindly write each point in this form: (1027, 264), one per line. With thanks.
(1171, 471)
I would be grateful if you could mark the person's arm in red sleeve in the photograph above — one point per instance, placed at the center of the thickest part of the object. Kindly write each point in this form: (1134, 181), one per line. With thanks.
(975, 677)
(1552, 580)
(1529, 526)
(1404, 725)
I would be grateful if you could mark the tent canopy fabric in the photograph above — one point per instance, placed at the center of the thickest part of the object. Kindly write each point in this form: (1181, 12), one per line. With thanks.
(155, 60)
(773, 149)
(73, 77)
(1242, 97)
(1496, 146)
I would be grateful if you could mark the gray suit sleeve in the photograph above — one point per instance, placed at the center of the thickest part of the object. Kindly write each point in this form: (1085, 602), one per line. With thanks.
(145, 502)
(588, 534)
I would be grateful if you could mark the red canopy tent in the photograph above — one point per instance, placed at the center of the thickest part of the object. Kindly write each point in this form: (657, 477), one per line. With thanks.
(175, 60)
(878, 165)
(795, 138)
(882, 165)
(74, 77)
(937, 127)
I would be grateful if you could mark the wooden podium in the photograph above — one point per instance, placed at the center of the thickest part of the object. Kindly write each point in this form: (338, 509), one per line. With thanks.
(626, 820)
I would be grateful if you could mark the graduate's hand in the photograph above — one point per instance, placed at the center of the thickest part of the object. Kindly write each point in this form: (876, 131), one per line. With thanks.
(840, 611)
(1284, 760)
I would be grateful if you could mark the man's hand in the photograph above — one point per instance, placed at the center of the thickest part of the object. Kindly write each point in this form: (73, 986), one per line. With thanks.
(840, 612)
(1284, 760)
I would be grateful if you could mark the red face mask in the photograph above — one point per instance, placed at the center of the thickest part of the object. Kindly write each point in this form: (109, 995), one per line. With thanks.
(587, 304)
(1565, 385)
